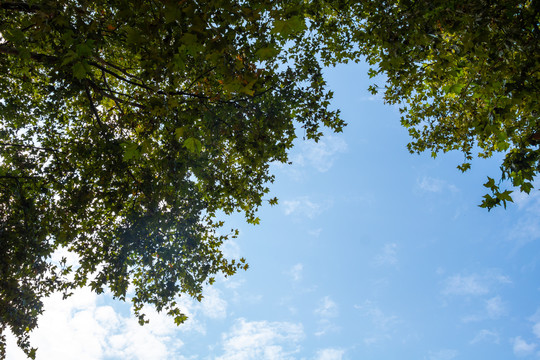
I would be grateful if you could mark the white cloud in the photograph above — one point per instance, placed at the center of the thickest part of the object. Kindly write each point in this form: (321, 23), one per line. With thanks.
(474, 284)
(370, 340)
(485, 335)
(378, 318)
(327, 308)
(388, 256)
(326, 326)
(330, 354)
(429, 184)
(80, 327)
(529, 202)
(320, 155)
(301, 206)
(296, 272)
(444, 354)
(212, 305)
(261, 340)
(315, 232)
(71, 258)
(522, 348)
(536, 329)
(377, 97)
(525, 230)
(495, 307)
(465, 285)
(231, 249)
(231, 282)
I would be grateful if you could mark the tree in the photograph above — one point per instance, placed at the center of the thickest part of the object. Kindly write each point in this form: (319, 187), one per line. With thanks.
(126, 126)
(467, 77)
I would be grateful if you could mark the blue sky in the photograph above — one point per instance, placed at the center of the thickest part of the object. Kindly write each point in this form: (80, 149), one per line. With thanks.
(372, 253)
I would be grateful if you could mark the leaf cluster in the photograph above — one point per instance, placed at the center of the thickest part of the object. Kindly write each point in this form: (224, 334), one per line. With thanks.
(126, 126)
(466, 76)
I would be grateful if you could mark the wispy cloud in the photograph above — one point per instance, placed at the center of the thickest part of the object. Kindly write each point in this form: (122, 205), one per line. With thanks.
(261, 340)
(315, 232)
(525, 231)
(295, 273)
(465, 285)
(388, 255)
(527, 228)
(319, 155)
(326, 311)
(330, 354)
(495, 307)
(212, 305)
(473, 284)
(301, 206)
(529, 202)
(485, 335)
(434, 185)
(383, 325)
(522, 348)
(535, 319)
(377, 97)
(327, 308)
(444, 354)
(231, 249)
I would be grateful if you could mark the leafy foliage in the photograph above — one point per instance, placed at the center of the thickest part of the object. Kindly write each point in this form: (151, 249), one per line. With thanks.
(127, 125)
(466, 75)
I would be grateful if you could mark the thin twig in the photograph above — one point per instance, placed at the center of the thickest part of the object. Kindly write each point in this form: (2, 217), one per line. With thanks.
(92, 106)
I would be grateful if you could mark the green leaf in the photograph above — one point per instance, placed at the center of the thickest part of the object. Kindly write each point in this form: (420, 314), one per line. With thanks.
(79, 70)
(193, 145)
(131, 150)
(288, 27)
(180, 319)
(464, 167)
(490, 184)
(84, 50)
(267, 53)
(189, 39)
(170, 14)
(179, 132)
(69, 57)
(453, 88)
(133, 36)
(505, 196)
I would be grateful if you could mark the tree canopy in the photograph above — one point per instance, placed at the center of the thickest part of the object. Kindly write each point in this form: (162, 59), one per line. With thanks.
(128, 126)
(466, 76)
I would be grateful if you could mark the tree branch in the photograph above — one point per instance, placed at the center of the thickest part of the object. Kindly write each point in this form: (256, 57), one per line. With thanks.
(53, 59)
(20, 6)
(34, 56)
(119, 77)
(116, 67)
(13, 177)
(146, 87)
(29, 146)
(104, 77)
(92, 106)
(103, 92)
